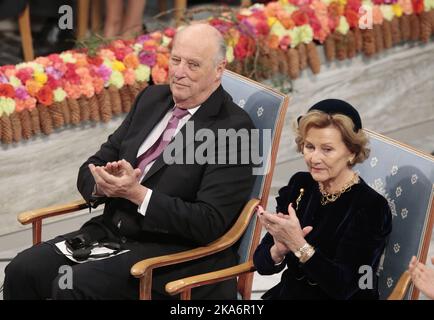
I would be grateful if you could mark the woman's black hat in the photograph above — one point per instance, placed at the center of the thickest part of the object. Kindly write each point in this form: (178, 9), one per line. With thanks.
(336, 106)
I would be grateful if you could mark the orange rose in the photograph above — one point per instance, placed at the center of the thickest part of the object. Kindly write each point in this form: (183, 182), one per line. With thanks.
(33, 87)
(98, 84)
(131, 61)
(19, 105)
(81, 60)
(377, 15)
(45, 96)
(162, 60)
(159, 75)
(273, 41)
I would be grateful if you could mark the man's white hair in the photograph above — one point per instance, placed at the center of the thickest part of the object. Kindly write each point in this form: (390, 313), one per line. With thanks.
(220, 41)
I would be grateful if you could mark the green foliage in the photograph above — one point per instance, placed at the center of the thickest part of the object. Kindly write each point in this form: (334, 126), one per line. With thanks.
(93, 43)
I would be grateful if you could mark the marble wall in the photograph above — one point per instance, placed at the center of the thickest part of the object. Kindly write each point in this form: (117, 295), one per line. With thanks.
(393, 90)
(43, 171)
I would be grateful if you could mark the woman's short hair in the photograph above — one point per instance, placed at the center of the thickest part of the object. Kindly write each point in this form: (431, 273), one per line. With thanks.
(356, 142)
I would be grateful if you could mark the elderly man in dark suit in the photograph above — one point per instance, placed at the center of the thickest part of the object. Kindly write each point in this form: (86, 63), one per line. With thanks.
(157, 201)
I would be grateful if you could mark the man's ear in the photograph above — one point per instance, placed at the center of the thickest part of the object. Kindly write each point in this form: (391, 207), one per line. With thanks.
(220, 69)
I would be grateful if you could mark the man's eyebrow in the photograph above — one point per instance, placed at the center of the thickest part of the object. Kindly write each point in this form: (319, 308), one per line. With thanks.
(194, 60)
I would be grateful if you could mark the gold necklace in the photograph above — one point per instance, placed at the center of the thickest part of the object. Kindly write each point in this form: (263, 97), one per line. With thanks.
(332, 197)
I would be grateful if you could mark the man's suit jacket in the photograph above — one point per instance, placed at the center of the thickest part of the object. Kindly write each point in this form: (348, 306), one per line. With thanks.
(191, 204)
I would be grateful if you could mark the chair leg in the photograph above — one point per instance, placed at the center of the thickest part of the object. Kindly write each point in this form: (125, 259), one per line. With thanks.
(26, 34)
(180, 6)
(37, 231)
(83, 18)
(186, 295)
(96, 16)
(245, 282)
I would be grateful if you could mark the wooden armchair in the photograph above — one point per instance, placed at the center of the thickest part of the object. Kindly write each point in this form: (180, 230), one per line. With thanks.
(267, 109)
(405, 177)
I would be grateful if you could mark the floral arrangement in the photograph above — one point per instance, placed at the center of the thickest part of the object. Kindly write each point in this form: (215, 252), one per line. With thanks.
(283, 35)
(72, 86)
(263, 40)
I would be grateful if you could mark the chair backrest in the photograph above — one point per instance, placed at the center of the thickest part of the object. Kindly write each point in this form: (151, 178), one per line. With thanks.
(267, 109)
(405, 177)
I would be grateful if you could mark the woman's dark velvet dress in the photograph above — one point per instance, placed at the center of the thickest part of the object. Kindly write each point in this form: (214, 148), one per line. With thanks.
(347, 234)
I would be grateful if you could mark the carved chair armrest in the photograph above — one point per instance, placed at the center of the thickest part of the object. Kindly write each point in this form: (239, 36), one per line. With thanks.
(36, 216)
(401, 287)
(42, 213)
(185, 285)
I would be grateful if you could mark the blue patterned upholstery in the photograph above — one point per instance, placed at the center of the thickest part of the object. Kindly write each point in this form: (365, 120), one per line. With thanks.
(405, 177)
(266, 108)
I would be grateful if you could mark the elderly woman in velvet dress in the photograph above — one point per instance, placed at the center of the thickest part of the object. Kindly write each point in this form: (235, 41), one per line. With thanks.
(331, 228)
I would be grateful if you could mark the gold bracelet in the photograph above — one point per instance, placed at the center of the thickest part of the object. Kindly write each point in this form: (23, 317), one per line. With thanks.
(307, 254)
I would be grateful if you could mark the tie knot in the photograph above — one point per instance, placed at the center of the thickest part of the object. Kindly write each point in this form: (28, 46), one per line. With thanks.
(179, 113)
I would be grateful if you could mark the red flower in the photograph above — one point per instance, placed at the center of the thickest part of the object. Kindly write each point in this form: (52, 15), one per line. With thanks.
(45, 95)
(262, 28)
(352, 17)
(54, 58)
(417, 6)
(7, 90)
(244, 48)
(258, 16)
(354, 4)
(24, 74)
(300, 18)
(6, 67)
(284, 43)
(170, 32)
(300, 3)
(71, 75)
(93, 71)
(240, 52)
(96, 61)
(53, 83)
(122, 52)
(315, 24)
(240, 17)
